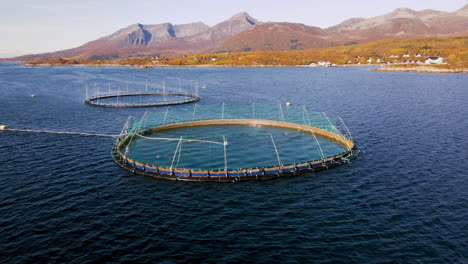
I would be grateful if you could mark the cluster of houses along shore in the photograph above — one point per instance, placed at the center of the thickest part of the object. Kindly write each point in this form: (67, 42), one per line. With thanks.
(393, 59)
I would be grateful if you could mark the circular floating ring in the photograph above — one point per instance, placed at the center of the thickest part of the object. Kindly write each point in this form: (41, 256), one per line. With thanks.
(104, 100)
(134, 153)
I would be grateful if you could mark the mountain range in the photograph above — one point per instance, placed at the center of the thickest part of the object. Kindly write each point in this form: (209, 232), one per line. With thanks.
(243, 33)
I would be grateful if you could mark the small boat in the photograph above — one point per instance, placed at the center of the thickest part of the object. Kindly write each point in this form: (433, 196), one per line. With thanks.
(204, 86)
(3, 127)
(33, 95)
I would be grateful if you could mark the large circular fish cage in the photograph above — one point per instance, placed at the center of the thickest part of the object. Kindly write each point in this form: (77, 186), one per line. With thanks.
(124, 100)
(228, 143)
(117, 95)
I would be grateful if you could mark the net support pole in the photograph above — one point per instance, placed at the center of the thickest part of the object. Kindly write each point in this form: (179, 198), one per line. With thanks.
(225, 155)
(146, 86)
(194, 110)
(222, 111)
(313, 133)
(146, 117)
(118, 92)
(143, 118)
(99, 93)
(276, 151)
(175, 152)
(332, 127)
(165, 115)
(180, 151)
(135, 132)
(281, 112)
(346, 127)
(139, 91)
(164, 90)
(304, 118)
(180, 86)
(125, 127)
(253, 111)
(110, 89)
(86, 91)
(328, 120)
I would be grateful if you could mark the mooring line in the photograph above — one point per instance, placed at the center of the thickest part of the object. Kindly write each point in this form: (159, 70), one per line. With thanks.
(58, 132)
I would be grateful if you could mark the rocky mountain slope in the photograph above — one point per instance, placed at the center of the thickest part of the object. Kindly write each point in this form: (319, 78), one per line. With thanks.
(242, 33)
(401, 23)
(277, 36)
(156, 40)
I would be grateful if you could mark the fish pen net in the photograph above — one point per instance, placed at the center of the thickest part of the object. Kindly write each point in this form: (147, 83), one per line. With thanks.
(232, 142)
(147, 95)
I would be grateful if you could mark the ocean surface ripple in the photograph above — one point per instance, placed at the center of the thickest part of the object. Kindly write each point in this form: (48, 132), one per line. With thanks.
(402, 201)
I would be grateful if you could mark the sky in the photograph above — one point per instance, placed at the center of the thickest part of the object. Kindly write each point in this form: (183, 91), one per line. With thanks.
(37, 26)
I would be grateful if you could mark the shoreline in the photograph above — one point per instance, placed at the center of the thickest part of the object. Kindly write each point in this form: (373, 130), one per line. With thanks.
(417, 69)
(149, 66)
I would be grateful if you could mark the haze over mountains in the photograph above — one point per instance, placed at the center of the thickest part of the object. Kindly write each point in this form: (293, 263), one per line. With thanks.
(242, 33)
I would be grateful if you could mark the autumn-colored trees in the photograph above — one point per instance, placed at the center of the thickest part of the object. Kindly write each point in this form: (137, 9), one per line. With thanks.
(454, 49)
(393, 50)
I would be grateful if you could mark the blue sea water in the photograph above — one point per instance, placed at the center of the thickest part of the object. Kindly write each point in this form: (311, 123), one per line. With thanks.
(404, 200)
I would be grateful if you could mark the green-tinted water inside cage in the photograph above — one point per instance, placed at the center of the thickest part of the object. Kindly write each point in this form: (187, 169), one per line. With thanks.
(248, 147)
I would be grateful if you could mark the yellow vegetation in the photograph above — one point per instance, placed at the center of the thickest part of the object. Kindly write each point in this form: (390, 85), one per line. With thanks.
(454, 49)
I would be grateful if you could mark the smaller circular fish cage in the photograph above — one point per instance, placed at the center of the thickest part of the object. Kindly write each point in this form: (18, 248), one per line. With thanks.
(120, 96)
(229, 143)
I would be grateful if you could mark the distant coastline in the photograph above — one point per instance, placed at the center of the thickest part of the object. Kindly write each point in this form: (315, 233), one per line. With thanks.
(417, 69)
(150, 66)
(403, 55)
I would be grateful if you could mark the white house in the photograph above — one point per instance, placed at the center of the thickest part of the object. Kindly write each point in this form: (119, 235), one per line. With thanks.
(434, 60)
(324, 63)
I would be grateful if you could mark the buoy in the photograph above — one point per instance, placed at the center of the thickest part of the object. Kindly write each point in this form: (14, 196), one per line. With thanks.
(288, 104)
(3, 127)
(204, 86)
(33, 95)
